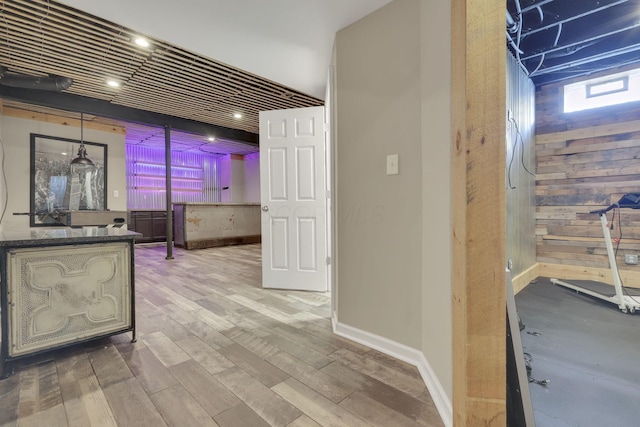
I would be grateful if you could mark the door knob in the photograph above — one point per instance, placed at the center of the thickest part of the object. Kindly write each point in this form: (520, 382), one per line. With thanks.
(265, 209)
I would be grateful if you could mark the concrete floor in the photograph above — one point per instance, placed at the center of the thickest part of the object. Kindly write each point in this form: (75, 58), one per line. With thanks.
(589, 351)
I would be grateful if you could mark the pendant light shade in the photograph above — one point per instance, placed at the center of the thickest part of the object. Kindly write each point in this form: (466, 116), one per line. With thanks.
(82, 158)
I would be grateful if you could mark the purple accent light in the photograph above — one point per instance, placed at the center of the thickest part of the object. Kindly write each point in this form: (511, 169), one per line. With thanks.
(194, 177)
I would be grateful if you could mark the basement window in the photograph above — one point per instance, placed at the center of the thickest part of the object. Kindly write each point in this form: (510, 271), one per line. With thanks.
(602, 91)
(609, 87)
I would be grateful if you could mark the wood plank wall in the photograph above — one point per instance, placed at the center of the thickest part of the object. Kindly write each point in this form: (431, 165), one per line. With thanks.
(584, 161)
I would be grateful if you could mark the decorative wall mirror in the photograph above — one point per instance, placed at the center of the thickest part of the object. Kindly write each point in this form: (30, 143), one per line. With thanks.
(57, 185)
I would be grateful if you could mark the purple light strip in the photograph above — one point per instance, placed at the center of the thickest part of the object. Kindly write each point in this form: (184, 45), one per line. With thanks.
(194, 177)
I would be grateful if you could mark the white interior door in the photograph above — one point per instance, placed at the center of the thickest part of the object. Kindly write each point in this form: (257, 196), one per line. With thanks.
(293, 196)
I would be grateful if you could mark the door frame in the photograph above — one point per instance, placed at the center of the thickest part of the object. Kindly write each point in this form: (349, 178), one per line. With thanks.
(331, 162)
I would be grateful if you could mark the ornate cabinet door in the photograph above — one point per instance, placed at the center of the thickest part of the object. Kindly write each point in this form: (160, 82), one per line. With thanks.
(65, 294)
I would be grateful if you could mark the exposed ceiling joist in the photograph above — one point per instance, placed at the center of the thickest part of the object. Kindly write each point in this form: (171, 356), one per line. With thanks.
(574, 44)
(577, 15)
(555, 40)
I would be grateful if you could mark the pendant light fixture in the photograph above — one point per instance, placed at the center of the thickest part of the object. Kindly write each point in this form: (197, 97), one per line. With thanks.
(82, 158)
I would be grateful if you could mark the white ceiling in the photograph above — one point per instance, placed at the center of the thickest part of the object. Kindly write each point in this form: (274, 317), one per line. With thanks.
(287, 41)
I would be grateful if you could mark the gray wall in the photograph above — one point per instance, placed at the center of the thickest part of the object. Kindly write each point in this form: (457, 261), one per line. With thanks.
(521, 243)
(15, 134)
(435, 18)
(379, 215)
(393, 232)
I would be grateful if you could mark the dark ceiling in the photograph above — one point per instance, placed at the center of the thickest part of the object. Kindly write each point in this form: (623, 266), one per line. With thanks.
(559, 39)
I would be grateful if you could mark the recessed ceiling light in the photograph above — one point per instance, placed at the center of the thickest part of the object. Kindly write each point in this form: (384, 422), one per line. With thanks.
(113, 83)
(142, 42)
(237, 116)
(211, 138)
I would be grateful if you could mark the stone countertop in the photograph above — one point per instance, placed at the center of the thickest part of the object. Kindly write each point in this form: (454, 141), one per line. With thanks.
(57, 236)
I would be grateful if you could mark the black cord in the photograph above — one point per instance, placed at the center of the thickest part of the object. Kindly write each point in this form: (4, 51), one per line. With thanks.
(519, 135)
(4, 180)
(625, 291)
(513, 153)
(527, 362)
(613, 220)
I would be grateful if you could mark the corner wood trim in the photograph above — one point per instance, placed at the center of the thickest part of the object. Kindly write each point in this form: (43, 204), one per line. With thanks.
(523, 279)
(478, 105)
(631, 279)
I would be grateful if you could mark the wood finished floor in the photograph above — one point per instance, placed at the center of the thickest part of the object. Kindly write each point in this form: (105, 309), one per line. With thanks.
(214, 349)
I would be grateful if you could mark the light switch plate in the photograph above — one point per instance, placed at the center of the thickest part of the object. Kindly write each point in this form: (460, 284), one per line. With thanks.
(392, 164)
(116, 193)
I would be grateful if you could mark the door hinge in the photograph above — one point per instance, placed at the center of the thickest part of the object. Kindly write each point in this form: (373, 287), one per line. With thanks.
(325, 127)
(328, 260)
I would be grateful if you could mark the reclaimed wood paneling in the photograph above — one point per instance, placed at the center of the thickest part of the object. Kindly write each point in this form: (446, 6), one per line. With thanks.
(551, 119)
(584, 161)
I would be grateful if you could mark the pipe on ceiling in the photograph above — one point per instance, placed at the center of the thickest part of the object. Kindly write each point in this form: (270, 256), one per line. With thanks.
(573, 18)
(585, 41)
(583, 61)
(536, 5)
(512, 25)
(53, 83)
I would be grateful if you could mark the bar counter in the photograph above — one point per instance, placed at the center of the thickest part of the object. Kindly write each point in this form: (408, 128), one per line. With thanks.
(205, 225)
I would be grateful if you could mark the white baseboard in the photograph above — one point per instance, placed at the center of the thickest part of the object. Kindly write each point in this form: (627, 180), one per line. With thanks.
(406, 354)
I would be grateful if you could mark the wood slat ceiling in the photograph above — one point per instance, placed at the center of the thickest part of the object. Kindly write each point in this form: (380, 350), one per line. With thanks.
(41, 38)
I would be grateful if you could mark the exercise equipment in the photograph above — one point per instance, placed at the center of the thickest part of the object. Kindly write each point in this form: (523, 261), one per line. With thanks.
(625, 302)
